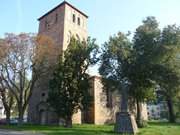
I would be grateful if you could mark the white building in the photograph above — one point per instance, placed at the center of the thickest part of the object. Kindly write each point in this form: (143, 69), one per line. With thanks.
(2, 111)
(157, 111)
(153, 111)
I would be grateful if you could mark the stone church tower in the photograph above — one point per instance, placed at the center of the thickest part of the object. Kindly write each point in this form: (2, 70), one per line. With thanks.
(60, 24)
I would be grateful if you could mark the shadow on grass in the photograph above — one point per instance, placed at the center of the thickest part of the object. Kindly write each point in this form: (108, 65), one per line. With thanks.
(57, 130)
(157, 123)
(83, 132)
(154, 128)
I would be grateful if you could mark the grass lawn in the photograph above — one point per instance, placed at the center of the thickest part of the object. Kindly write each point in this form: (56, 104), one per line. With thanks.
(154, 128)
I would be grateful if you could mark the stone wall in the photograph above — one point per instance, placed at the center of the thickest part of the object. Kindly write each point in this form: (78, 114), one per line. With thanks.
(52, 25)
(79, 31)
(104, 112)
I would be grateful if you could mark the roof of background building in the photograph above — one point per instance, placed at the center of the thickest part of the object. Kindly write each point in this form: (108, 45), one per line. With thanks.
(64, 2)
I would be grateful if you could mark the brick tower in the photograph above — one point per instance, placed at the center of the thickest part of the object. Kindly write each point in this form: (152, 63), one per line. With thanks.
(60, 24)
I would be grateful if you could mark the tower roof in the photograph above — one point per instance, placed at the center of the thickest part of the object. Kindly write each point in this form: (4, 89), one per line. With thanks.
(61, 4)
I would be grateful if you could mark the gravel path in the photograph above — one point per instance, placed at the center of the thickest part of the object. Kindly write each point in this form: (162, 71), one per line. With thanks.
(10, 132)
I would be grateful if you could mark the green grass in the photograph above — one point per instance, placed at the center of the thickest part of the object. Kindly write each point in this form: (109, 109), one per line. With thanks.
(160, 128)
(154, 128)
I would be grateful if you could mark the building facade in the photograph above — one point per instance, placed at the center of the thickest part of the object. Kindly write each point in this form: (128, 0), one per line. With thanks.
(2, 110)
(60, 24)
(157, 111)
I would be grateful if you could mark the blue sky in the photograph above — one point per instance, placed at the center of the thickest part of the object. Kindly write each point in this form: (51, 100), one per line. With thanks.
(106, 17)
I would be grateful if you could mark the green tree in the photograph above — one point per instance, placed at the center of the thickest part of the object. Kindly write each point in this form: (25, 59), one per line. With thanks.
(69, 88)
(167, 70)
(150, 61)
(123, 60)
(116, 60)
(146, 46)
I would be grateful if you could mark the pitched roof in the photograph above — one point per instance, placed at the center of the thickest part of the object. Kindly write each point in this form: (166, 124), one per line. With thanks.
(61, 4)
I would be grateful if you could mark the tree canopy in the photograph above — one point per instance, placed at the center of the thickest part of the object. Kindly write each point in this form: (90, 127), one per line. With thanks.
(22, 61)
(151, 59)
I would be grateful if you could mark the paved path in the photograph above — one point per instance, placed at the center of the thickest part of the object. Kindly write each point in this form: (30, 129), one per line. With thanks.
(9, 132)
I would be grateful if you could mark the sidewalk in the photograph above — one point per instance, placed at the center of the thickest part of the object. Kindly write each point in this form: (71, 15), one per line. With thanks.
(10, 132)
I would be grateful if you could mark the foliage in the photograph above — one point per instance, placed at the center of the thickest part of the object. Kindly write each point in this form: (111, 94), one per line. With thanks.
(151, 60)
(22, 64)
(145, 46)
(69, 87)
(125, 61)
(167, 71)
(5, 95)
(115, 59)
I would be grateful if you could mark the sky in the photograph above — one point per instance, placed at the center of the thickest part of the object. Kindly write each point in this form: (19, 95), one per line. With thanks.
(106, 17)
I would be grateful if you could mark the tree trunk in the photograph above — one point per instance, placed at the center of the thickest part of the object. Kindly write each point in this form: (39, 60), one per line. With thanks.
(138, 119)
(20, 116)
(7, 104)
(68, 123)
(8, 116)
(171, 111)
(61, 121)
